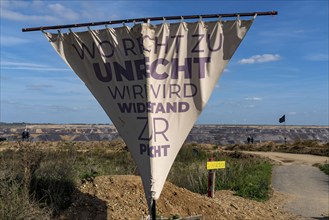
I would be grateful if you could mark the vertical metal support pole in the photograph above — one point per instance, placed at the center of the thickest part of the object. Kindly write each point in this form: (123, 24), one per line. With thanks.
(284, 131)
(153, 210)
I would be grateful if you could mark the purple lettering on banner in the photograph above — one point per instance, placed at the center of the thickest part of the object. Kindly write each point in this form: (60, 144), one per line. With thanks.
(154, 107)
(154, 151)
(107, 77)
(155, 93)
(183, 107)
(172, 90)
(171, 107)
(160, 108)
(193, 90)
(153, 69)
(157, 151)
(128, 47)
(156, 126)
(150, 106)
(202, 65)
(101, 49)
(186, 68)
(196, 49)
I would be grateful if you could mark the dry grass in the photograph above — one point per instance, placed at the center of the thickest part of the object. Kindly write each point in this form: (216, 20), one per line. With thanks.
(37, 179)
(298, 147)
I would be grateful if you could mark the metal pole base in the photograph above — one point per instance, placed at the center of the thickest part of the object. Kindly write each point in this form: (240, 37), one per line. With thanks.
(153, 210)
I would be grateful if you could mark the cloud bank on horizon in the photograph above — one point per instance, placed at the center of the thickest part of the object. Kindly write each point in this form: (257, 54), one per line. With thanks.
(280, 68)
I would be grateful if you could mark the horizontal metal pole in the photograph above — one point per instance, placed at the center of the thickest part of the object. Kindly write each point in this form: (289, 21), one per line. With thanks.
(56, 27)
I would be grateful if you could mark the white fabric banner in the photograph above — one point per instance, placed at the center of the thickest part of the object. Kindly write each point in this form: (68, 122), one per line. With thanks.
(153, 82)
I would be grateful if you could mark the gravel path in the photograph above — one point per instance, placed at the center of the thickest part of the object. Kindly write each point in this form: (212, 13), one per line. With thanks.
(306, 185)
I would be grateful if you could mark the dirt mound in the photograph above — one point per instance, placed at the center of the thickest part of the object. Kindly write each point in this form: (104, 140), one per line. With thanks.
(122, 197)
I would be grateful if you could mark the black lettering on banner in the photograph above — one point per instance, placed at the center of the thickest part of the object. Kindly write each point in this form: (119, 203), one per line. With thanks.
(142, 136)
(121, 71)
(108, 75)
(83, 48)
(101, 49)
(116, 92)
(219, 43)
(196, 47)
(126, 46)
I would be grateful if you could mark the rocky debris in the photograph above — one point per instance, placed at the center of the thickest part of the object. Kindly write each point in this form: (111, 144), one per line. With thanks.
(122, 197)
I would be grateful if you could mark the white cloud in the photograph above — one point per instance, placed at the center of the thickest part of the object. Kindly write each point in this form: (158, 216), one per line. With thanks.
(260, 59)
(253, 99)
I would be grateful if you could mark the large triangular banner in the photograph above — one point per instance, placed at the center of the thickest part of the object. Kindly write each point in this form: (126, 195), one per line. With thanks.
(153, 82)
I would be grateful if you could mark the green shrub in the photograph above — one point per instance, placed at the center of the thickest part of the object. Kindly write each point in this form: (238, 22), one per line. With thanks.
(324, 168)
(248, 175)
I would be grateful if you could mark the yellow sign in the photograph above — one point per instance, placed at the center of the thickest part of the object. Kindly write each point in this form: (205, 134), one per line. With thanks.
(212, 165)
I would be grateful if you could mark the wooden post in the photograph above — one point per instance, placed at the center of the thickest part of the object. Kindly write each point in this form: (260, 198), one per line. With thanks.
(212, 166)
(211, 181)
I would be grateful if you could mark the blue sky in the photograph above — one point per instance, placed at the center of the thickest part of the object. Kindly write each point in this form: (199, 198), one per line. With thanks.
(281, 67)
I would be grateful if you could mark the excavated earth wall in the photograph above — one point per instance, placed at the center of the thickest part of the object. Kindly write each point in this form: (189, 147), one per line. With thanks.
(210, 134)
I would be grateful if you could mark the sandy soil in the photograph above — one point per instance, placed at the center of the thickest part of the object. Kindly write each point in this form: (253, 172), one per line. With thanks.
(122, 197)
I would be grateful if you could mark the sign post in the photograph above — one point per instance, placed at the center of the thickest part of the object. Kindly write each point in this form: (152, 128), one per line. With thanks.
(211, 167)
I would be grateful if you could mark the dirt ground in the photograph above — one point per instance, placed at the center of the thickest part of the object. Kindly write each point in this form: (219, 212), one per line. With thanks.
(289, 158)
(122, 197)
